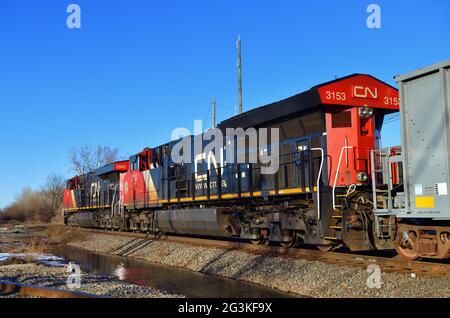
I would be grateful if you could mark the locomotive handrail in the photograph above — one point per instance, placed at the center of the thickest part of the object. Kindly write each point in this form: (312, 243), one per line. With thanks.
(374, 177)
(318, 180)
(232, 167)
(114, 208)
(113, 205)
(337, 174)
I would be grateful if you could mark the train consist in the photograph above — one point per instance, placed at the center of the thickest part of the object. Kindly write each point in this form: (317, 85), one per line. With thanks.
(334, 184)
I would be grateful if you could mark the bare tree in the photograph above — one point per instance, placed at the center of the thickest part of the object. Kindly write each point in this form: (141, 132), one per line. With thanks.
(86, 159)
(53, 194)
(25, 207)
(37, 205)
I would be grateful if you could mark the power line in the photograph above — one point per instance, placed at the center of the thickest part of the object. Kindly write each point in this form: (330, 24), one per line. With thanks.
(231, 109)
(392, 119)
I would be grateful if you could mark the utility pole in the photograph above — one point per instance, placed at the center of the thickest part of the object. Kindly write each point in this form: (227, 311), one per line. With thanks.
(214, 113)
(239, 73)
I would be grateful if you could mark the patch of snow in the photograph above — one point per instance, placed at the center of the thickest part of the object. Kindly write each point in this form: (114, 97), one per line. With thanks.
(4, 256)
(51, 260)
(45, 259)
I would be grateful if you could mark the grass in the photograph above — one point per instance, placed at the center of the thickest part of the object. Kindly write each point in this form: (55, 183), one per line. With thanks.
(32, 249)
(38, 244)
(62, 235)
(13, 261)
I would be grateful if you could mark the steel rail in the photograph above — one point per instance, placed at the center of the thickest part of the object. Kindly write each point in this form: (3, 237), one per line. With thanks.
(11, 288)
(387, 264)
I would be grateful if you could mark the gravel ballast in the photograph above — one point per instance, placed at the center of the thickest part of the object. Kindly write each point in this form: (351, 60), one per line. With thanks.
(56, 277)
(302, 277)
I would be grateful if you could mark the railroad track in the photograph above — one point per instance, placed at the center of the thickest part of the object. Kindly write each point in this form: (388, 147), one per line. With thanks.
(25, 290)
(388, 264)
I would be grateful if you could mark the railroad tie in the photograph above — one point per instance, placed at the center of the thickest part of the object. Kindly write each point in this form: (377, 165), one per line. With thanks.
(130, 248)
(127, 246)
(137, 247)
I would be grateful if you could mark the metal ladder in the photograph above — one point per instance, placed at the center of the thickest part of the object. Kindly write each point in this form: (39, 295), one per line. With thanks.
(383, 167)
(337, 215)
(381, 229)
(385, 171)
(338, 206)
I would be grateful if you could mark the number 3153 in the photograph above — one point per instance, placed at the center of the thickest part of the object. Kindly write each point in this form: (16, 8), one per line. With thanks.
(391, 101)
(340, 96)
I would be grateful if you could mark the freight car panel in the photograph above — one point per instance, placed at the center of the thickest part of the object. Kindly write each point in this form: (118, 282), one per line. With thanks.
(412, 205)
(426, 136)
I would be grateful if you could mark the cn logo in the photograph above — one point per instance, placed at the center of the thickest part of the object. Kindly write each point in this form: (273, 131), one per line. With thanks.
(365, 92)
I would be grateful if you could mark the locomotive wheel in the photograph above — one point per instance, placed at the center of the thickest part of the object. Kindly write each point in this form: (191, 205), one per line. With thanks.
(326, 248)
(288, 244)
(263, 237)
(406, 248)
(258, 241)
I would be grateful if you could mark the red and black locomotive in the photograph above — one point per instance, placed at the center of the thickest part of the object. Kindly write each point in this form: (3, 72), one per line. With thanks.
(321, 193)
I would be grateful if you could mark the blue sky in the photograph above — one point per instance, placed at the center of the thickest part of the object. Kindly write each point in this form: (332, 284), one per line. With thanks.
(138, 69)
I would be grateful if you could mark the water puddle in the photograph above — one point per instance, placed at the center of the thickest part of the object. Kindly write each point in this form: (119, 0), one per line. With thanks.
(45, 259)
(173, 280)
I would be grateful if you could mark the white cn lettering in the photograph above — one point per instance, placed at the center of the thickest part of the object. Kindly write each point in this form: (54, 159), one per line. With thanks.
(365, 92)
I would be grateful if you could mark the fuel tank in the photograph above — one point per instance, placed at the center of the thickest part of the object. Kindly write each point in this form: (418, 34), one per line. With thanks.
(85, 219)
(208, 221)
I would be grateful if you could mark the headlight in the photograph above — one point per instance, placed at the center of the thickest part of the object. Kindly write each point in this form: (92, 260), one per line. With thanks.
(365, 112)
(362, 177)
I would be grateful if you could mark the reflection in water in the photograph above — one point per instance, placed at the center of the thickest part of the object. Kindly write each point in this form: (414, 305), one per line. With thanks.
(173, 280)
